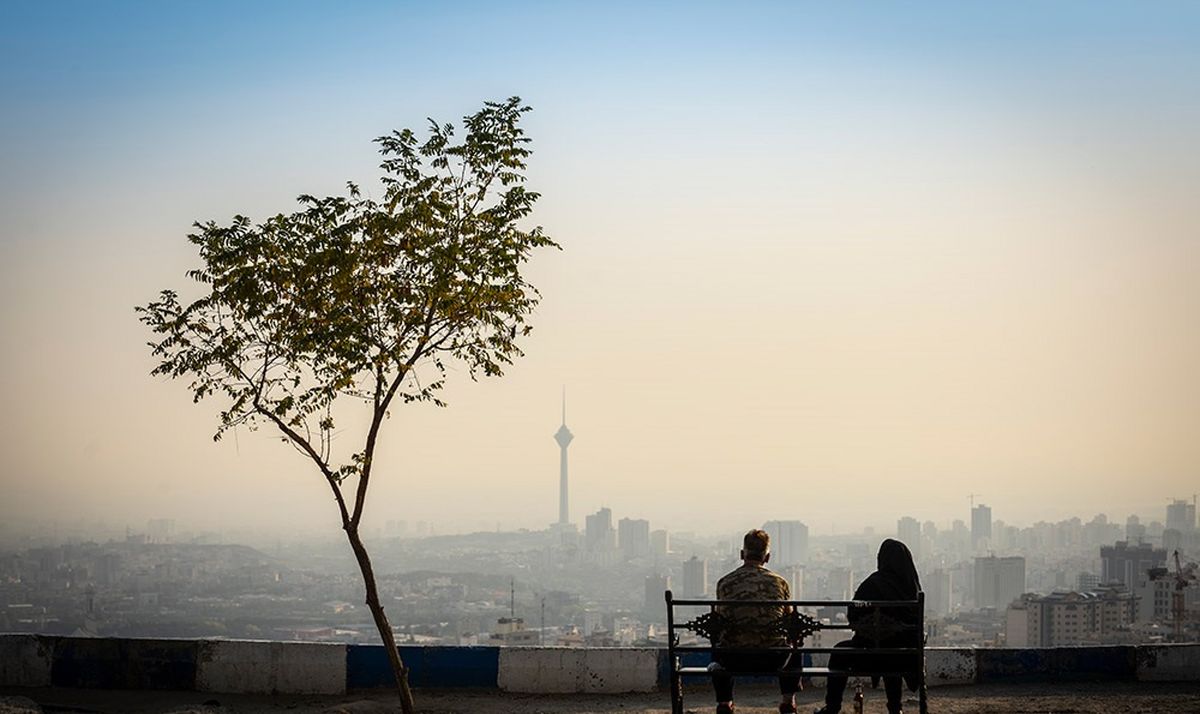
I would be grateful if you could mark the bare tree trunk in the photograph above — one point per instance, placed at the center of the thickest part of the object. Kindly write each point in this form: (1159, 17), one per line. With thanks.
(381, 621)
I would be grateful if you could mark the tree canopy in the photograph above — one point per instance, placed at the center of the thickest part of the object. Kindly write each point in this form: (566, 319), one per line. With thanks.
(370, 299)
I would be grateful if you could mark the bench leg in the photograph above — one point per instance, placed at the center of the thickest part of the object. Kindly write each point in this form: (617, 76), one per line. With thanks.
(676, 689)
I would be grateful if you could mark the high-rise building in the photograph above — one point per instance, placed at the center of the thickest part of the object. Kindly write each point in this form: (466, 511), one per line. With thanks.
(633, 536)
(789, 542)
(660, 543)
(981, 527)
(998, 581)
(1135, 530)
(1087, 582)
(598, 534)
(1172, 539)
(908, 532)
(960, 538)
(1126, 564)
(656, 587)
(695, 577)
(794, 574)
(939, 597)
(563, 436)
(1156, 593)
(839, 584)
(1181, 516)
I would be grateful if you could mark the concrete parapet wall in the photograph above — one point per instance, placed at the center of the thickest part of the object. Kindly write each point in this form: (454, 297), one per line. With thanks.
(1168, 663)
(271, 667)
(1056, 664)
(950, 666)
(25, 660)
(310, 668)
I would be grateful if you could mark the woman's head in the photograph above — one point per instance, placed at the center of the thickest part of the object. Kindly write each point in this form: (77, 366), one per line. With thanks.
(896, 561)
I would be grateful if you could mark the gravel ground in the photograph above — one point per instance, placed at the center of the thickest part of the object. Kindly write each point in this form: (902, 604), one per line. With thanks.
(1098, 698)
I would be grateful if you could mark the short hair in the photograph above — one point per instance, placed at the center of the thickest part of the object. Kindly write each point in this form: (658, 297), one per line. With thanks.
(756, 542)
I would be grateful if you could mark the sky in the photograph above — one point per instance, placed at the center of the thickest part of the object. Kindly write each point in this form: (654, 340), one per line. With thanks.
(841, 263)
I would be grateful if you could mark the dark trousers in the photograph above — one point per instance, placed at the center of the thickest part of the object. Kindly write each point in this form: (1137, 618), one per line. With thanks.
(730, 663)
(835, 686)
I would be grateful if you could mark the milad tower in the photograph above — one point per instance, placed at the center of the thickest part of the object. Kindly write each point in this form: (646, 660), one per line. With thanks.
(563, 436)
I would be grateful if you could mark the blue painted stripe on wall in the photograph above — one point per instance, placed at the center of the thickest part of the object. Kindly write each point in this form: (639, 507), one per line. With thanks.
(124, 664)
(367, 667)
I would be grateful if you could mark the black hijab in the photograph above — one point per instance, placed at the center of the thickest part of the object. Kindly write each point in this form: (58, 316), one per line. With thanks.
(895, 562)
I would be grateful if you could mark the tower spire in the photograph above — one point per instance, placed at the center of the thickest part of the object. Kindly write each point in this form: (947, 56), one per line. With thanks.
(563, 436)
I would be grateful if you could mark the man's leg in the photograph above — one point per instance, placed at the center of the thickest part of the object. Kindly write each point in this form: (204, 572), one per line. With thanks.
(789, 682)
(722, 680)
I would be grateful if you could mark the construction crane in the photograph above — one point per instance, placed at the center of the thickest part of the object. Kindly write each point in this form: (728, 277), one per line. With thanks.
(971, 498)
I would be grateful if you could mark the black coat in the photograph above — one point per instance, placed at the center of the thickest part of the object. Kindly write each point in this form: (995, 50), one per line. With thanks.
(896, 579)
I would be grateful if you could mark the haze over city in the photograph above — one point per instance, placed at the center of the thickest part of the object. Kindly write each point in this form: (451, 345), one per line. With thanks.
(838, 265)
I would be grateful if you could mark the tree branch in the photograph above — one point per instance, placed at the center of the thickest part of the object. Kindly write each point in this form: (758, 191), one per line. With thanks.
(312, 453)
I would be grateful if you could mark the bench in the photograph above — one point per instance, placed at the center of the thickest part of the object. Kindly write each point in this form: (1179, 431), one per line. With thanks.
(796, 626)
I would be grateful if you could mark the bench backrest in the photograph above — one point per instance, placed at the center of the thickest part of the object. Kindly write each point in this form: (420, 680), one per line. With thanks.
(879, 624)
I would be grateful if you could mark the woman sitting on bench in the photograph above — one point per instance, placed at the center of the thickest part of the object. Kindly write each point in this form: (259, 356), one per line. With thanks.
(896, 579)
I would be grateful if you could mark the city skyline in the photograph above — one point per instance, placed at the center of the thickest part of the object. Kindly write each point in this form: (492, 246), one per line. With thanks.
(926, 251)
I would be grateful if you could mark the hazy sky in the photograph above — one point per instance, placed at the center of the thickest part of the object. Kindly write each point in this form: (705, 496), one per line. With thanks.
(839, 264)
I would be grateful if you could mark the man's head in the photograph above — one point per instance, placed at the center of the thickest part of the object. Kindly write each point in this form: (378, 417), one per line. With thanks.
(756, 547)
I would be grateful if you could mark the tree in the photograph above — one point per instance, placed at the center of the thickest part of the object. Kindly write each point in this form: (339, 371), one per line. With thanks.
(353, 300)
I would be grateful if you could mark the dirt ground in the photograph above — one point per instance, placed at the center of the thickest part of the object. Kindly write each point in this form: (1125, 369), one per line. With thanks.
(1095, 698)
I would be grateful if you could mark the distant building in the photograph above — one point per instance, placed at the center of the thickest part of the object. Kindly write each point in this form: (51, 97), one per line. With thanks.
(633, 535)
(695, 577)
(794, 574)
(1181, 516)
(1087, 582)
(960, 538)
(160, 530)
(1063, 619)
(1173, 539)
(1156, 588)
(1124, 564)
(789, 542)
(981, 527)
(660, 543)
(511, 632)
(1135, 530)
(598, 535)
(839, 584)
(939, 598)
(998, 581)
(908, 532)
(656, 588)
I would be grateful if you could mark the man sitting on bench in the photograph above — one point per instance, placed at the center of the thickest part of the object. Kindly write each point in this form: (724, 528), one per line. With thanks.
(751, 627)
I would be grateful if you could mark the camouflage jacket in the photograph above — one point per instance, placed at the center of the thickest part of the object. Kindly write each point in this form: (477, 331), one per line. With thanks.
(752, 626)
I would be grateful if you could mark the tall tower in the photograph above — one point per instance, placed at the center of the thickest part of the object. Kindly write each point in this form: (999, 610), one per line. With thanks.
(563, 436)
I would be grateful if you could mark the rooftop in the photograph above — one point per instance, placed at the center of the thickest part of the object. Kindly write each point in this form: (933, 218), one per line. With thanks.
(1042, 698)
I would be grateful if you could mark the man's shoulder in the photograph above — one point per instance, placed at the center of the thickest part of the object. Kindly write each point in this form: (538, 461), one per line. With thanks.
(730, 577)
(749, 581)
